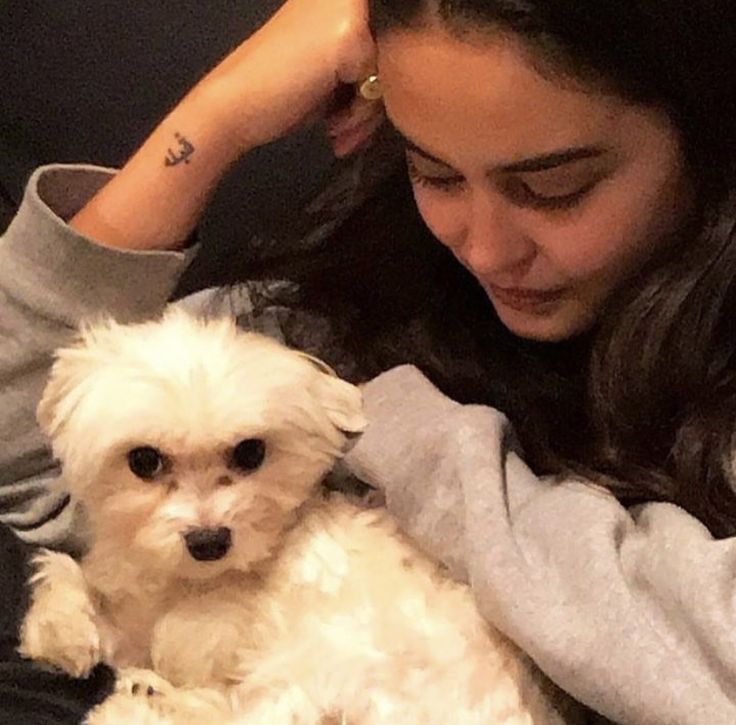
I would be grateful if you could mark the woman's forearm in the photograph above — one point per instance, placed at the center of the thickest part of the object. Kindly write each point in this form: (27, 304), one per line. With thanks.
(156, 199)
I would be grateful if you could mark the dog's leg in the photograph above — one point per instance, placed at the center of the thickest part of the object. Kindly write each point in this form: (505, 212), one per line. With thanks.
(144, 698)
(59, 629)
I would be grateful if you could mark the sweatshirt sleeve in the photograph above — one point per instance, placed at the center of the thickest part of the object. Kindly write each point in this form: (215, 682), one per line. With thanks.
(631, 611)
(51, 278)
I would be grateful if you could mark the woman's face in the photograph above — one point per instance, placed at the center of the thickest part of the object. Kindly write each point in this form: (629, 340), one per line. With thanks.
(551, 194)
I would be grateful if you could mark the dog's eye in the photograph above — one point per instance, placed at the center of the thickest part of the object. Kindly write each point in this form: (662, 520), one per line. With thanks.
(249, 454)
(146, 462)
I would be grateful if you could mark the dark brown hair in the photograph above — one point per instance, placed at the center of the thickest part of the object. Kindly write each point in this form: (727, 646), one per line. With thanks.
(646, 402)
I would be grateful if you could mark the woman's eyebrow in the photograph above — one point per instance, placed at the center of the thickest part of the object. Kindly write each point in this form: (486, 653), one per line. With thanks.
(543, 162)
(411, 146)
(554, 159)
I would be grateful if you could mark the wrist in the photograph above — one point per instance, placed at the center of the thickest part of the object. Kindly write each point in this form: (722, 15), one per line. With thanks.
(202, 117)
(156, 199)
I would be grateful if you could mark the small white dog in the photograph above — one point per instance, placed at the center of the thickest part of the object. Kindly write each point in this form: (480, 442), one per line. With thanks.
(220, 580)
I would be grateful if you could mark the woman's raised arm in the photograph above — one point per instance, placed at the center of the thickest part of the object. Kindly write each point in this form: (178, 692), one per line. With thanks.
(284, 75)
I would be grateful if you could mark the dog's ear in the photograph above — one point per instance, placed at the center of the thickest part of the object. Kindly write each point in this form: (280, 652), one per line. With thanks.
(57, 401)
(52, 394)
(68, 381)
(342, 402)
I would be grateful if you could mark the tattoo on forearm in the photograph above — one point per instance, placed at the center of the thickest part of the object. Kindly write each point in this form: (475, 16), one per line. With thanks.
(185, 151)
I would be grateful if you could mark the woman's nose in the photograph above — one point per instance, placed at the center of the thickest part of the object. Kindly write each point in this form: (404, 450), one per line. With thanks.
(494, 245)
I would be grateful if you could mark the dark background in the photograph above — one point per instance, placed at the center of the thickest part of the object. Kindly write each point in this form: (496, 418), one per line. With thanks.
(87, 80)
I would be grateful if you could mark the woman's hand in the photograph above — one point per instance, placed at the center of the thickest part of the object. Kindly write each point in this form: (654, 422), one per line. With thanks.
(306, 61)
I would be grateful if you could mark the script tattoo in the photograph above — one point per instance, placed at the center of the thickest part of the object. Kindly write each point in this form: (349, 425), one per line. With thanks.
(185, 151)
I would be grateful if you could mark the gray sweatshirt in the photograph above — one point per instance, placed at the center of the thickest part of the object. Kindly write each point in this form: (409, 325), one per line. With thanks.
(632, 611)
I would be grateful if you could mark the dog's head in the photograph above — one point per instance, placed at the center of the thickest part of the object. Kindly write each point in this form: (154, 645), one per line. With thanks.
(190, 443)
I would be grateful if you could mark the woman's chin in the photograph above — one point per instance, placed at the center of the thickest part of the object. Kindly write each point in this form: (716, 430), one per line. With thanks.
(549, 323)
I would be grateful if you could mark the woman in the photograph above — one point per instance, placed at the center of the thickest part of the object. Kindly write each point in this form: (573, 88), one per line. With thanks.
(576, 159)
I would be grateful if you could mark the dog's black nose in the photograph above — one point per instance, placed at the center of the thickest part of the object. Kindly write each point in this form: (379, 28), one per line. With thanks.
(208, 544)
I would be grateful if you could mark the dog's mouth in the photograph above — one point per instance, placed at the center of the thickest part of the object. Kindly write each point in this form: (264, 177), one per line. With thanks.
(208, 544)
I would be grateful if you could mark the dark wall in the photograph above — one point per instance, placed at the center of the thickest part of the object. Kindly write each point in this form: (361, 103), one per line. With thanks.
(86, 80)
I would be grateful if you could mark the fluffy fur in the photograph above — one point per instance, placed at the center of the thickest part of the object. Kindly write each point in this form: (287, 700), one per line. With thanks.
(317, 612)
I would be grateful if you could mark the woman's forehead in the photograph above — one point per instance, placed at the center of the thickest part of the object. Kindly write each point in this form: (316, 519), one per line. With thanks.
(451, 97)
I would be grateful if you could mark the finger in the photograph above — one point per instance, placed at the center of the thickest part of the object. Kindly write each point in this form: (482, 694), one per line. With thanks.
(357, 111)
(357, 137)
(339, 104)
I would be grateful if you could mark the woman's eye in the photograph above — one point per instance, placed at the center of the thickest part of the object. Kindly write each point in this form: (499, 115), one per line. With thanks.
(443, 183)
(248, 455)
(523, 194)
(440, 181)
(146, 462)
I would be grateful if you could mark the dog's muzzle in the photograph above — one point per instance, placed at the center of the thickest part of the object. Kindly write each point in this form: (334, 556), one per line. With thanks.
(208, 544)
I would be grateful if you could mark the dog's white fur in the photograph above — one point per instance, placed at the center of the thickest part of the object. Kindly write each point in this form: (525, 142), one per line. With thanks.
(319, 612)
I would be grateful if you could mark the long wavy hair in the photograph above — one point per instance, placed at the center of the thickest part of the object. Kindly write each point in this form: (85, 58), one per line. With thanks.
(646, 402)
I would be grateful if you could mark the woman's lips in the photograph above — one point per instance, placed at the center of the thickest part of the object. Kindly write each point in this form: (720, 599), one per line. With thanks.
(527, 300)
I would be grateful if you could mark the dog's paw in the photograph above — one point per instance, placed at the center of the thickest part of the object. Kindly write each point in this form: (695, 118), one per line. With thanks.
(121, 709)
(140, 697)
(149, 699)
(139, 682)
(70, 644)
